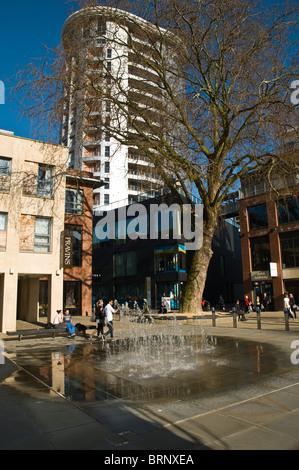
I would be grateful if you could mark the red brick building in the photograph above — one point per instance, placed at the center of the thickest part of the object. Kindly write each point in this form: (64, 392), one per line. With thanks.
(77, 253)
(269, 231)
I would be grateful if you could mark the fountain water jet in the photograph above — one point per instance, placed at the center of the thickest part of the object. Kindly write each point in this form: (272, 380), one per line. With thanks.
(152, 350)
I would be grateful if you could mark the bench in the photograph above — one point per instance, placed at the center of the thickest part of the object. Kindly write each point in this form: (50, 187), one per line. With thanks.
(51, 332)
(41, 332)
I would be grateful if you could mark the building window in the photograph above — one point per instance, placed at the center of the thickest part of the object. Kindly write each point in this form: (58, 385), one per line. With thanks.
(289, 245)
(106, 199)
(5, 173)
(257, 216)
(96, 199)
(107, 167)
(260, 253)
(35, 234)
(45, 181)
(288, 211)
(5, 166)
(169, 258)
(74, 201)
(107, 151)
(76, 233)
(3, 230)
(109, 53)
(38, 180)
(107, 180)
(101, 28)
(125, 264)
(42, 235)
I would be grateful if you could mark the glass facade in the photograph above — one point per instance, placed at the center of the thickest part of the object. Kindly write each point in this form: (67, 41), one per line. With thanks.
(288, 211)
(125, 264)
(260, 253)
(257, 216)
(289, 244)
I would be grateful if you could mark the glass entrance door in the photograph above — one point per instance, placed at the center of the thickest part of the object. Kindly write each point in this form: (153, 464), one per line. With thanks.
(263, 287)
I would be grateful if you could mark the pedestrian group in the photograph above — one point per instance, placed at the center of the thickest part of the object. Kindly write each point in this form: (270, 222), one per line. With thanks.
(103, 317)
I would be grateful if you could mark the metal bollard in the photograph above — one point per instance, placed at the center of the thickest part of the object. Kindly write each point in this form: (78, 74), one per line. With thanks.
(234, 318)
(213, 317)
(258, 317)
(286, 320)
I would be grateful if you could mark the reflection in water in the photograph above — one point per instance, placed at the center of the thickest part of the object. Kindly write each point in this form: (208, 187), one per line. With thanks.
(158, 367)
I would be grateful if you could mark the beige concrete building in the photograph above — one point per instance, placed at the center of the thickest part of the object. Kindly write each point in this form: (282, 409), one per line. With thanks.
(32, 201)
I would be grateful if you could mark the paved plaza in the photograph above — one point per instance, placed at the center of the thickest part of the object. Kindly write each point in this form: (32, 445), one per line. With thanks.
(74, 393)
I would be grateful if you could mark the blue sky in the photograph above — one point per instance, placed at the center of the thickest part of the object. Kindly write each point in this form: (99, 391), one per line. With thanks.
(25, 27)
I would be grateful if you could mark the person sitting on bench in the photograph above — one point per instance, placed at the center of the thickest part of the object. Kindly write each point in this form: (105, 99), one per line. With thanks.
(68, 323)
(58, 320)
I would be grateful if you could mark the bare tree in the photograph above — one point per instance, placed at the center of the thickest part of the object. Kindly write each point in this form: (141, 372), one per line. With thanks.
(215, 103)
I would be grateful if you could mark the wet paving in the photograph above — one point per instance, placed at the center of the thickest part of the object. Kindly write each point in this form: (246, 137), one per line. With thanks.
(148, 369)
(157, 387)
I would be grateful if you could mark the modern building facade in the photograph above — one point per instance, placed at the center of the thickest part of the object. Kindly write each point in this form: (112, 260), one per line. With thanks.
(146, 268)
(32, 200)
(105, 60)
(269, 231)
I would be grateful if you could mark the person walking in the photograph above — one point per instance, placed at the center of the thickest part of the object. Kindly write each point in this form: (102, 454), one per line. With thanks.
(265, 302)
(287, 306)
(108, 312)
(246, 303)
(100, 319)
(293, 305)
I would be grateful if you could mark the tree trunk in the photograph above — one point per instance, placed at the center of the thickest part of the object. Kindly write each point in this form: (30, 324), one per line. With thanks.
(192, 296)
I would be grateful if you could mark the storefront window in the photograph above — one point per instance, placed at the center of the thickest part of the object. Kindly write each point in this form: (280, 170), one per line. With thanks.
(169, 258)
(288, 211)
(289, 244)
(260, 253)
(72, 296)
(257, 216)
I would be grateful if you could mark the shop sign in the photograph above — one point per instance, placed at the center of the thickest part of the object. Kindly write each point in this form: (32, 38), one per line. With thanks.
(68, 251)
(260, 276)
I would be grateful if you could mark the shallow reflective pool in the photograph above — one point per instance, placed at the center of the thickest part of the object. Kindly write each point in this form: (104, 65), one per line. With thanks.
(152, 368)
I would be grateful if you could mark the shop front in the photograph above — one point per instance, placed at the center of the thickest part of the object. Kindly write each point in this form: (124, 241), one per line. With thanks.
(262, 284)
